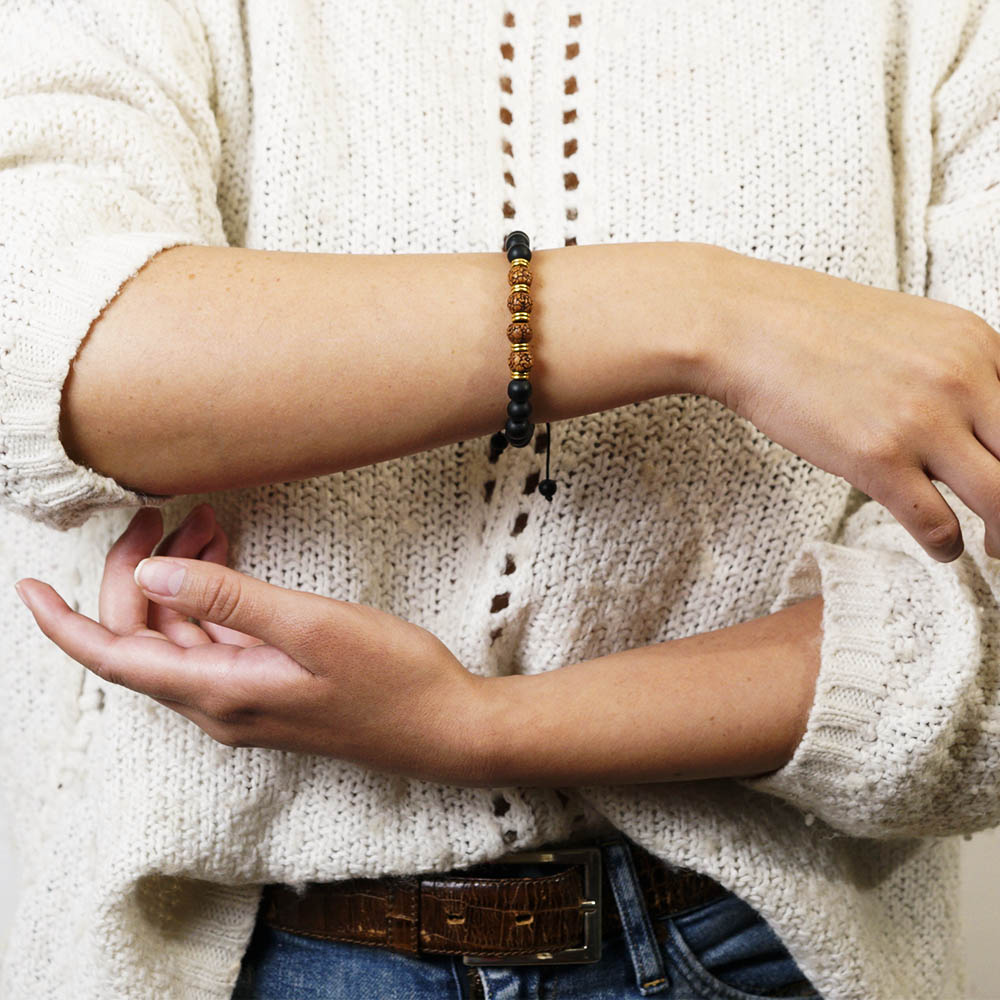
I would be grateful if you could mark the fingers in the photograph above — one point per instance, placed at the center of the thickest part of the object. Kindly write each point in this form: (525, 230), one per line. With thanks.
(126, 610)
(988, 434)
(188, 539)
(226, 691)
(915, 502)
(122, 605)
(288, 619)
(149, 664)
(973, 473)
(217, 551)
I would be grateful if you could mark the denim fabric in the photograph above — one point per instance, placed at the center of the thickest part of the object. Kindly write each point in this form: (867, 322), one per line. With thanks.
(722, 950)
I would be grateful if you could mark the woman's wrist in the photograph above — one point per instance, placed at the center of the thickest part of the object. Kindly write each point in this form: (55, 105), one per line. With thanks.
(623, 322)
(732, 702)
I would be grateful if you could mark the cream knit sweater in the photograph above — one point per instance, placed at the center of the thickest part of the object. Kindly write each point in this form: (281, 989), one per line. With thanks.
(857, 139)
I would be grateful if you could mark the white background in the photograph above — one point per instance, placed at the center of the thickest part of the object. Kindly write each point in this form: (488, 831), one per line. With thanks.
(980, 899)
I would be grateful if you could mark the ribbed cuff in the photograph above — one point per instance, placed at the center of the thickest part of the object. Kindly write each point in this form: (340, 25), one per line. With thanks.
(830, 772)
(54, 312)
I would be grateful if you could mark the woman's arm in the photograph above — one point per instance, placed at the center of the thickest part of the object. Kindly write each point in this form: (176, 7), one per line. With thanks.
(220, 367)
(234, 367)
(728, 703)
(273, 667)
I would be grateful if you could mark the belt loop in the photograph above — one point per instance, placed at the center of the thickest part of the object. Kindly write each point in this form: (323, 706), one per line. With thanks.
(403, 916)
(644, 949)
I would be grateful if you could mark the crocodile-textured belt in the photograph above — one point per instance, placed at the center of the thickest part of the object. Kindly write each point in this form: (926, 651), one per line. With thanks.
(489, 913)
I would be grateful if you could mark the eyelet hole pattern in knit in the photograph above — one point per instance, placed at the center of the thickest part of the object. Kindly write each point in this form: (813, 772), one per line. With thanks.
(570, 184)
(570, 180)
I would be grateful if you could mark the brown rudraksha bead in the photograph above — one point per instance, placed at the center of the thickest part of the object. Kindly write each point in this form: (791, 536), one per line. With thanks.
(519, 361)
(519, 274)
(519, 333)
(519, 302)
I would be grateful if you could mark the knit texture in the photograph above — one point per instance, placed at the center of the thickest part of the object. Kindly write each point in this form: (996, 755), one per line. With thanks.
(863, 145)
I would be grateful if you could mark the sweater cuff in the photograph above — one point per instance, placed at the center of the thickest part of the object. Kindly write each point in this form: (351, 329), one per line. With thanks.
(829, 774)
(52, 313)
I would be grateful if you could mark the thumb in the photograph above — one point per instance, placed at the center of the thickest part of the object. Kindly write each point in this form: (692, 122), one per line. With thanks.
(214, 593)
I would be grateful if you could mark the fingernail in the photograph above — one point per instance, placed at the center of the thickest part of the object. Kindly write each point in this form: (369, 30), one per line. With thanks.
(20, 593)
(159, 576)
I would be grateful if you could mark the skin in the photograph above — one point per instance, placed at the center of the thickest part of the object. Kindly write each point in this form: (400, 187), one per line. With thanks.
(311, 363)
(272, 667)
(889, 391)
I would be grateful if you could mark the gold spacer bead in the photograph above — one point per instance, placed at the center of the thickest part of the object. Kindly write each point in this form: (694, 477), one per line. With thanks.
(520, 374)
(520, 317)
(520, 288)
(519, 260)
(520, 347)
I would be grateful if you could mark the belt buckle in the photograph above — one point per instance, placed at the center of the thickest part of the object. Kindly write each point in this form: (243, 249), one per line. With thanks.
(590, 950)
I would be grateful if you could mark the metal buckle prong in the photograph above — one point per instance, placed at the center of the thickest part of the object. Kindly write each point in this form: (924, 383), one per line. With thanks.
(590, 906)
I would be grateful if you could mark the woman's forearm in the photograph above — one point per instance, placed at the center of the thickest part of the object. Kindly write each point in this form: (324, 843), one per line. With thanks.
(221, 367)
(728, 703)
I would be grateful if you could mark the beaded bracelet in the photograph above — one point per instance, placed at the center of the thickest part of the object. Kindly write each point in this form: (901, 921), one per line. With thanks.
(519, 429)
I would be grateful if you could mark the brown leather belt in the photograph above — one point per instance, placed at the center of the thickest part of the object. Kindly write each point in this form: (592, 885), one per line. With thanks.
(487, 913)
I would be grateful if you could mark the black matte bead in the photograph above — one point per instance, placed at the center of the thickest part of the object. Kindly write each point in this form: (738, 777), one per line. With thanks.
(547, 488)
(517, 244)
(519, 409)
(519, 433)
(519, 389)
(498, 441)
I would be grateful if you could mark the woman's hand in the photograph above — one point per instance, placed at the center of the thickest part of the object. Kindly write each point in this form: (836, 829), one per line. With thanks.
(266, 666)
(887, 390)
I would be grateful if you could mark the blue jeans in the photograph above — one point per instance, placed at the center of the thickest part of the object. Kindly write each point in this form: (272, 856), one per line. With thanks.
(722, 950)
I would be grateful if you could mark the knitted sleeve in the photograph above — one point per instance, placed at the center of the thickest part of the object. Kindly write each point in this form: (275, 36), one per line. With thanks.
(109, 153)
(903, 738)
